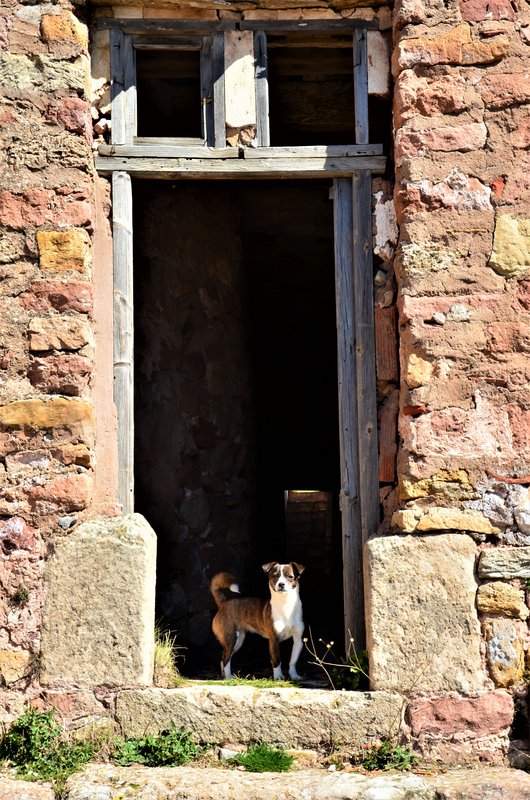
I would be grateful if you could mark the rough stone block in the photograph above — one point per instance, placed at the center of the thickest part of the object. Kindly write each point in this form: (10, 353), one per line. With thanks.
(484, 715)
(64, 250)
(502, 598)
(61, 374)
(46, 413)
(71, 296)
(505, 562)
(290, 717)
(98, 619)
(58, 333)
(511, 246)
(439, 518)
(420, 599)
(454, 47)
(505, 651)
(64, 27)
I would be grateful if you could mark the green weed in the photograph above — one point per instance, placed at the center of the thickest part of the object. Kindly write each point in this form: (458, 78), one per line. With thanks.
(33, 745)
(386, 755)
(351, 673)
(257, 683)
(169, 748)
(20, 596)
(165, 673)
(261, 757)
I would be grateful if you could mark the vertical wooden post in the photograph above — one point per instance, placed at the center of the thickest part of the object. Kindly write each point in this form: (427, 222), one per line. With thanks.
(352, 556)
(360, 86)
(123, 334)
(262, 89)
(363, 285)
(218, 70)
(123, 88)
(207, 92)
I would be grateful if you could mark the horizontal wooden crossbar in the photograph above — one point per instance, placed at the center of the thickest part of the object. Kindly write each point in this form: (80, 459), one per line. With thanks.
(219, 168)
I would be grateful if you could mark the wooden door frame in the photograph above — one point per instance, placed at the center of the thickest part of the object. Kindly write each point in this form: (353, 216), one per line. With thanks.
(351, 168)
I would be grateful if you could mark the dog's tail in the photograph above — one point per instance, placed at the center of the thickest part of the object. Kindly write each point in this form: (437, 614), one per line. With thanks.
(223, 587)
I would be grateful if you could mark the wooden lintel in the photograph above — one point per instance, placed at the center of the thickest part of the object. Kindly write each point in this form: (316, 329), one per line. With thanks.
(219, 168)
(315, 151)
(309, 25)
(165, 26)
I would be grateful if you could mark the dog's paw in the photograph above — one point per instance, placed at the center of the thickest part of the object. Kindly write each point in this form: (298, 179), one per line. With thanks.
(294, 676)
(277, 673)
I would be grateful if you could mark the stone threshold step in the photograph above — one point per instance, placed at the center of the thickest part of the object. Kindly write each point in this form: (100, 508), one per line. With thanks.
(105, 782)
(295, 718)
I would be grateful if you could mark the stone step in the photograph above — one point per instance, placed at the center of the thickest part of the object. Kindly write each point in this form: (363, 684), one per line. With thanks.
(104, 782)
(298, 718)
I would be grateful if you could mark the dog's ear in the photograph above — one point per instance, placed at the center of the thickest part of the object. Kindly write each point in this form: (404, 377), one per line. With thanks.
(298, 568)
(267, 567)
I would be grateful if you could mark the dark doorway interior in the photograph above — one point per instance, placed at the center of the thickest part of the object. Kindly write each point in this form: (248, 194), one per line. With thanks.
(236, 444)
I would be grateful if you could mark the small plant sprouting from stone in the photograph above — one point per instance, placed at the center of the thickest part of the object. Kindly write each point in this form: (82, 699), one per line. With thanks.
(387, 755)
(20, 596)
(527, 584)
(262, 757)
(343, 672)
(172, 747)
(166, 674)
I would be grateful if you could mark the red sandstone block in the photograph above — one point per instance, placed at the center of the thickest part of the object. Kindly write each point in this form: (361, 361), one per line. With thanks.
(62, 494)
(61, 374)
(503, 89)
(520, 425)
(70, 296)
(445, 139)
(16, 534)
(485, 715)
(479, 10)
(74, 114)
(38, 207)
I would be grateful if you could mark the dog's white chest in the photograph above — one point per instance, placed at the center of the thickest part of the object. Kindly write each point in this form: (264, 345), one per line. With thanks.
(287, 615)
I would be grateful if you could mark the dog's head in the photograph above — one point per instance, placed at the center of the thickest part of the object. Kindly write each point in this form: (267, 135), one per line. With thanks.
(283, 577)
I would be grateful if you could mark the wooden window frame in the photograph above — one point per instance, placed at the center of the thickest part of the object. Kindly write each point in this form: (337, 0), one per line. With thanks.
(350, 167)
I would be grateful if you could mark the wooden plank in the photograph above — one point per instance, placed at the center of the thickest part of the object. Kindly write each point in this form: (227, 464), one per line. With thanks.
(165, 26)
(315, 151)
(207, 112)
(318, 25)
(176, 148)
(262, 89)
(123, 88)
(218, 71)
(387, 358)
(239, 167)
(352, 555)
(360, 86)
(167, 42)
(123, 335)
(166, 151)
(117, 83)
(365, 352)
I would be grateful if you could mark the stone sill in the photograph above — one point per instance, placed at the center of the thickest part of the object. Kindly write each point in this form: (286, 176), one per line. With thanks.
(291, 717)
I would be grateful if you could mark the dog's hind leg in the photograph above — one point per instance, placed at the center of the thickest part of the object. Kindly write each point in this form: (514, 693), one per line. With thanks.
(229, 648)
(239, 641)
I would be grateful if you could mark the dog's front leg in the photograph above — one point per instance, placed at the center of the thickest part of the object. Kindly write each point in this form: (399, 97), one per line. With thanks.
(295, 653)
(274, 650)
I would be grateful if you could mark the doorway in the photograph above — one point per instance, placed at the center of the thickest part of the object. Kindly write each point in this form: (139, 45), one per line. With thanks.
(237, 436)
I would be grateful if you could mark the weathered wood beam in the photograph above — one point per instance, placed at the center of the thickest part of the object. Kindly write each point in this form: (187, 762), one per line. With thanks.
(308, 25)
(156, 148)
(360, 86)
(122, 243)
(352, 556)
(165, 26)
(218, 168)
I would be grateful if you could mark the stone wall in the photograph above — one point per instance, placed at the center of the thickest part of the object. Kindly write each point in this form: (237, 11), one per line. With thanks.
(461, 153)
(459, 390)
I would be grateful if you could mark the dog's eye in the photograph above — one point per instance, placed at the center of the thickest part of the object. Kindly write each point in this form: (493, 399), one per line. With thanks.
(290, 577)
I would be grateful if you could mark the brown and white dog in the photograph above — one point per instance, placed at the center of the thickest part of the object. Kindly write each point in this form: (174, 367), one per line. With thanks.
(276, 619)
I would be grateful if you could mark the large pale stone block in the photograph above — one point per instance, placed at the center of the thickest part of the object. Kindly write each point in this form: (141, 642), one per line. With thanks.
(422, 627)
(98, 621)
(289, 717)
(505, 650)
(47, 413)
